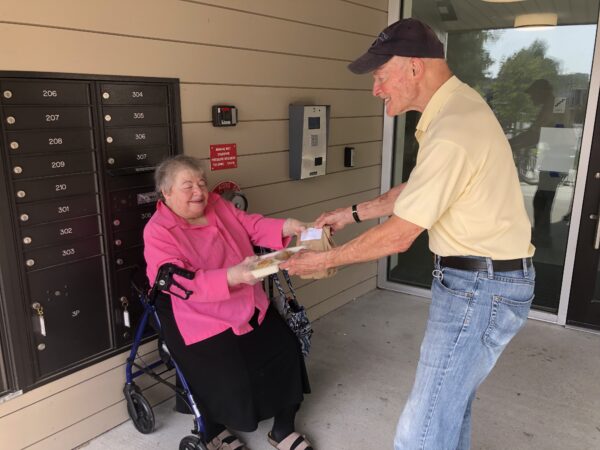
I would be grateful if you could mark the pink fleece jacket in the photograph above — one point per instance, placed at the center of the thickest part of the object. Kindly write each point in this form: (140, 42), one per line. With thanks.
(209, 250)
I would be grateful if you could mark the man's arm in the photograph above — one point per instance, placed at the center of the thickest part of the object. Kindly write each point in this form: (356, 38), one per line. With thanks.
(395, 235)
(381, 206)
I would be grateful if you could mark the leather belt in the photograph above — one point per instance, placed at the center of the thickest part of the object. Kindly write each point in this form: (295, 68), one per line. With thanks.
(499, 265)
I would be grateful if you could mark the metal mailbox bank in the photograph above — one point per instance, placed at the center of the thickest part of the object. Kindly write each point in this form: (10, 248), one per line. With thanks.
(77, 159)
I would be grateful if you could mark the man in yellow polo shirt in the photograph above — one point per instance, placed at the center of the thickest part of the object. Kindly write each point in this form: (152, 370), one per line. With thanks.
(465, 191)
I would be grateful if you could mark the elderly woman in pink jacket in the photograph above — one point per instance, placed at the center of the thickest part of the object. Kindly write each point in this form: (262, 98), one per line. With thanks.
(242, 362)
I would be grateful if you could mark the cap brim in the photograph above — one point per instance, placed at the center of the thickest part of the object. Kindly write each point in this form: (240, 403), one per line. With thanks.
(368, 63)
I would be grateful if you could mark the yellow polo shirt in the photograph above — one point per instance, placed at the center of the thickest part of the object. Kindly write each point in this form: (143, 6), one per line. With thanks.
(464, 188)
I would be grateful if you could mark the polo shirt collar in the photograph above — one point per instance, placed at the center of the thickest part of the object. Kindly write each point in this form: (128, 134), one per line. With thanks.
(435, 104)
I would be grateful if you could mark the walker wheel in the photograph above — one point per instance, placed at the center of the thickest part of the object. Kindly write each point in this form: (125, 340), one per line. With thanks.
(140, 412)
(192, 443)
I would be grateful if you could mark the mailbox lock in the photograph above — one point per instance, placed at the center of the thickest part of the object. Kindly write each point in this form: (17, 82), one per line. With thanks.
(105, 95)
(118, 242)
(27, 240)
(109, 139)
(14, 145)
(116, 222)
(7, 94)
(111, 161)
(41, 347)
(120, 261)
(124, 300)
(24, 217)
(10, 120)
(17, 169)
(30, 262)
(107, 118)
(21, 194)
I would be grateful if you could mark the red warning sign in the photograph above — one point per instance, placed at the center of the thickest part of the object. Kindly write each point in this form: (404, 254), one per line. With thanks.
(223, 156)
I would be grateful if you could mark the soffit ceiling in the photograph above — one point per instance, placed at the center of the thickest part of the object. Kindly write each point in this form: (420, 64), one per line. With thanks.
(457, 15)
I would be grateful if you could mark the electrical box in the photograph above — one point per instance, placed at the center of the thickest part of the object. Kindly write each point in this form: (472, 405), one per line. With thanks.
(77, 156)
(308, 134)
(224, 115)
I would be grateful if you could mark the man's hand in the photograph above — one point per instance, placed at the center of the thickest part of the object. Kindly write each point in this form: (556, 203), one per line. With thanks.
(240, 273)
(336, 219)
(305, 262)
(293, 227)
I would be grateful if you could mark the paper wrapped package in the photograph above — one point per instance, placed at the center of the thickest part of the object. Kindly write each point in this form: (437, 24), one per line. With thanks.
(318, 239)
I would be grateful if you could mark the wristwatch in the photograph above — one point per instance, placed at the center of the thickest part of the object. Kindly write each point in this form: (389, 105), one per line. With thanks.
(355, 214)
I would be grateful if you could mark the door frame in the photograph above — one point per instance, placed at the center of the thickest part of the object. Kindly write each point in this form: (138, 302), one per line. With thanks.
(389, 125)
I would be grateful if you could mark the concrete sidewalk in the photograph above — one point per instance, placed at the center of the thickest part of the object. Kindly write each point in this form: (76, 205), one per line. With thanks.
(544, 394)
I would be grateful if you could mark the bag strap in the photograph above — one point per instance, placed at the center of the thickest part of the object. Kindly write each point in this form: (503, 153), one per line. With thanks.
(277, 282)
(286, 275)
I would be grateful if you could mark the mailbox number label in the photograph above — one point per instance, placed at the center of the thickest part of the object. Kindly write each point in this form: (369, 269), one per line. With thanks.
(145, 215)
(60, 187)
(52, 117)
(141, 156)
(139, 115)
(140, 136)
(55, 141)
(68, 252)
(49, 93)
(66, 231)
(63, 209)
(137, 94)
(58, 164)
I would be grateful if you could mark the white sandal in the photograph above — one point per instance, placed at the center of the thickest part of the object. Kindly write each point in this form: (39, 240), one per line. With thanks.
(218, 442)
(289, 441)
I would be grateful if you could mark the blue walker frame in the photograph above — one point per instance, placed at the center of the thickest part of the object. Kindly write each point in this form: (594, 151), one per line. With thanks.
(138, 407)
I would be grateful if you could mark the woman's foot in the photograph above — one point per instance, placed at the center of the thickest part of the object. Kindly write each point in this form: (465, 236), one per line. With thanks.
(226, 440)
(294, 441)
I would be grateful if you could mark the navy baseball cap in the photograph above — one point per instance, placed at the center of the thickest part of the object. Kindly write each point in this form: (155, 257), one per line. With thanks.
(407, 37)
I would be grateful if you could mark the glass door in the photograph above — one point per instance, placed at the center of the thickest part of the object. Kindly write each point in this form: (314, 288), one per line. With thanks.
(584, 304)
(531, 61)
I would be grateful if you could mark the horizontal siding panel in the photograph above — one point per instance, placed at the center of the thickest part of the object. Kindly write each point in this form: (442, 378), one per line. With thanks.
(273, 136)
(377, 4)
(106, 419)
(194, 23)
(350, 16)
(293, 194)
(81, 376)
(342, 298)
(320, 290)
(268, 168)
(72, 404)
(258, 103)
(82, 52)
(310, 212)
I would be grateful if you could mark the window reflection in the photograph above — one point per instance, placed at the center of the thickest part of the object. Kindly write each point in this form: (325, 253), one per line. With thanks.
(536, 81)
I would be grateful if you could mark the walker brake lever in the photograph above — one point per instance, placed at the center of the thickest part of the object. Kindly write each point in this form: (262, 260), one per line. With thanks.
(164, 280)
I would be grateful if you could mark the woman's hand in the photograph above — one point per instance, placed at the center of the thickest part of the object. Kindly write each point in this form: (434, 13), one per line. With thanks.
(293, 227)
(241, 273)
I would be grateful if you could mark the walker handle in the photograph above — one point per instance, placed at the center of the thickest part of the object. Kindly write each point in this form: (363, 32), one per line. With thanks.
(164, 280)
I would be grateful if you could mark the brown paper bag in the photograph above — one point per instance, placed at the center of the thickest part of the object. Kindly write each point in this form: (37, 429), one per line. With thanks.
(323, 244)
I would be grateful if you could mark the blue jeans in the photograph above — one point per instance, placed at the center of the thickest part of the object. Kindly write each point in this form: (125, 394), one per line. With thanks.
(472, 317)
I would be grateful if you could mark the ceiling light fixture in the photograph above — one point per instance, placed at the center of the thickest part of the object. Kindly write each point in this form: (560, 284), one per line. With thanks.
(502, 1)
(536, 20)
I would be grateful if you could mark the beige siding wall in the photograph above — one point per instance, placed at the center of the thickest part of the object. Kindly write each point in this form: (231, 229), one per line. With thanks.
(261, 56)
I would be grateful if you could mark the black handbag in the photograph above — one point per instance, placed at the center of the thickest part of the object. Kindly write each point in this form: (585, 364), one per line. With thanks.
(292, 312)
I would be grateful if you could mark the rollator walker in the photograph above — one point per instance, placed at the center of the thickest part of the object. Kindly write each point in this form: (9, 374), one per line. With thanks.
(138, 407)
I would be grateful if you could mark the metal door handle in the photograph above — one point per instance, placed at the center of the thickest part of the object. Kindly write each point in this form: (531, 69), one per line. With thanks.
(597, 238)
